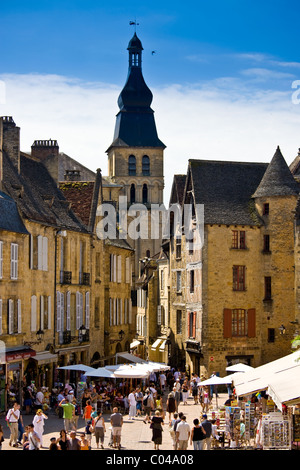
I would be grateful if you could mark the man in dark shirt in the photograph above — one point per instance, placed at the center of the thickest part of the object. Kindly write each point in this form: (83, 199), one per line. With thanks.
(116, 421)
(207, 426)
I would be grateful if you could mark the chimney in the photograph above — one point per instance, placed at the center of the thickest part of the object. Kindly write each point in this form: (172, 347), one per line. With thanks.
(11, 140)
(44, 149)
(47, 151)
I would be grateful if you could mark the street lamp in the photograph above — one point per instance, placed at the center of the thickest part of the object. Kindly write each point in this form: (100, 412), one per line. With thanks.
(39, 337)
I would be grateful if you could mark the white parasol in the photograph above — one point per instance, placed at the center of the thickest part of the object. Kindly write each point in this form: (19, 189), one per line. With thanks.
(79, 367)
(239, 368)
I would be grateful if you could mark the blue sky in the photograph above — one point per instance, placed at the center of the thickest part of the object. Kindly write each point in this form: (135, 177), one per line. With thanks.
(222, 75)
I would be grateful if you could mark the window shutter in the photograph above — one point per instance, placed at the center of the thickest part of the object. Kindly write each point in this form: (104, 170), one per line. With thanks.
(19, 311)
(14, 261)
(115, 268)
(68, 325)
(121, 311)
(42, 311)
(40, 252)
(125, 311)
(127, 270)
(33, 313)
(119, 268)
(130, 312)
(45, 254)
(227, 320)
(49, 312)
(251, 323)
(115, 312)
(10, 316)
(58, 311)
(87, 310)
(194, 324)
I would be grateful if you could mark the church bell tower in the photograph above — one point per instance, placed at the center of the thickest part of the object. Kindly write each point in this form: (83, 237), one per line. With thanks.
(136, 155)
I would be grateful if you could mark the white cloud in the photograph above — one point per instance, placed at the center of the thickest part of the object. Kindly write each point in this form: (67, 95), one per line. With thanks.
(221, 119)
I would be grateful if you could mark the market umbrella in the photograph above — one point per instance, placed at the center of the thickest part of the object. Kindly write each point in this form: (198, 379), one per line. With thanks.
(80, 367)
(100, 372)
(239, 368)
(131, 372)
(216, 380)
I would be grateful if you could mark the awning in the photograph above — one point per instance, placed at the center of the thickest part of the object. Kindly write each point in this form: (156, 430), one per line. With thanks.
(134, 344)
(163, 346)
(129, 357)
(45, 357)
(155, 344)
(19, 353)
(285, 390)
(261, 377)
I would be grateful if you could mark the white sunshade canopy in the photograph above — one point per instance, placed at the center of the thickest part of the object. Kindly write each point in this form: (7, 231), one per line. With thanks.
(100, 372)
(216, 380)
(131, 372)
(281, 370)
(79, 367)
(239, 368)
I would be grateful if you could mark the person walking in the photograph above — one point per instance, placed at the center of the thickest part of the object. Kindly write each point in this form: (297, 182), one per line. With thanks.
(197, 435)
(156, 426)
(207, 426)
(87, 412)
(63, 441)
(139, 401)
(148, 404)
(99, 427)
(33, 438)
(68, 414)
(74, 443)
(177, 391)
(12, 418)
(116, 421)
(132, 404)
(38, 423)
(183, 432)
(171, 405)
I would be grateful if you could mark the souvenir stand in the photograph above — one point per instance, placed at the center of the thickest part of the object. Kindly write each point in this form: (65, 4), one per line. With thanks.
(250, 421)
(232, 424)
(276, 431)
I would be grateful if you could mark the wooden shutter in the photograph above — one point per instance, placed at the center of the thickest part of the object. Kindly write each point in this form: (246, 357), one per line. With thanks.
(194, 324)
(251, 323)
(227, 323)
(33, 313)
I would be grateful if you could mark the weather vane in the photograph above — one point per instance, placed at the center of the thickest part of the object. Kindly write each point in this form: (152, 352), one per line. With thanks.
(135, 24)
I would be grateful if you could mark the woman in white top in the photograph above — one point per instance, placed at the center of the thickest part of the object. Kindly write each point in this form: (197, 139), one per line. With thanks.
(99, 427)
(38, 423)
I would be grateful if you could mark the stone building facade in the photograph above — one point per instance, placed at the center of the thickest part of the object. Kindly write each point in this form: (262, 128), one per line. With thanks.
(247, 265)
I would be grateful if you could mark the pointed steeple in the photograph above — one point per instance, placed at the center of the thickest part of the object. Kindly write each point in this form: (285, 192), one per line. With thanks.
(135, 124)
(278, 179)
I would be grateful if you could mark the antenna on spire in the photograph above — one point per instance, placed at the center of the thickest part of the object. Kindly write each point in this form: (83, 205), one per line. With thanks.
(134, 23)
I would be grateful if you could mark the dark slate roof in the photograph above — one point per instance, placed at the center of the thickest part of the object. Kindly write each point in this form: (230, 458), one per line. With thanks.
(10, 219)
(135, 124)
(36, 194)
(225, 189)
(278, 179)
(177, 191)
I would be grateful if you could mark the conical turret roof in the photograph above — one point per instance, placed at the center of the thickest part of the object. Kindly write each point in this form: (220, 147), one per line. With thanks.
(278, 179)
